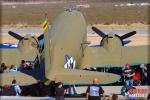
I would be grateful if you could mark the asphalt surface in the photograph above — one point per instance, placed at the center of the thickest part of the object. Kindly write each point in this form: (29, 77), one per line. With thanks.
(109, 90)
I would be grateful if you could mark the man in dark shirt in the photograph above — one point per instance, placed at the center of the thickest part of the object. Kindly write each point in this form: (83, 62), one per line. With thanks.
(128, 73)
(22, 65)
(94, 92)
(60, 92)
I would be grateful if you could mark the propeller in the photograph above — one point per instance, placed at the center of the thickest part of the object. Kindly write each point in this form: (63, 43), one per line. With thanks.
(100, 33)
(128, 35)
(15, 35)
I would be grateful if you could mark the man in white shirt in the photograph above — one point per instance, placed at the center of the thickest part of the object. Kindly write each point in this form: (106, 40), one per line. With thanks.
(15, 88)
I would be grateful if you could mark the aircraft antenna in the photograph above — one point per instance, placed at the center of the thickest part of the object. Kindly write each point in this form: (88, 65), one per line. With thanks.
(70, 8)
(45, 23)
(45, 16)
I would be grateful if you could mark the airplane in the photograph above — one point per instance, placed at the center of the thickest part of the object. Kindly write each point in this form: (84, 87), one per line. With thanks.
(27, 49)
(67, 52)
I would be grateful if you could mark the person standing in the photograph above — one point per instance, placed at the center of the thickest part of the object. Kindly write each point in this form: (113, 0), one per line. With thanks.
(144, 75)
(22, 65)
(13, 68)
(128, 73)
(94, 91)
(60, 91)
(72, 90)
(15, 88)
(5, 91)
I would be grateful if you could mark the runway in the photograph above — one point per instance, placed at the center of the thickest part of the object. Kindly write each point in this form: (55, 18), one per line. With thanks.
(89, 31)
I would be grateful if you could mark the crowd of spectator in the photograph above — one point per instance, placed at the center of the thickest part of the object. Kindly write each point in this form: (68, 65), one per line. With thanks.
(24, 65)
(39, 89)
(139, 78)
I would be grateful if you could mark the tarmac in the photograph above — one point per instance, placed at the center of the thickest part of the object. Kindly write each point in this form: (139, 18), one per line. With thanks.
(109, 91)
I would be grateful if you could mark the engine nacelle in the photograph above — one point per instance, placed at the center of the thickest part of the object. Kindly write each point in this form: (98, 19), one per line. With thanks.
(111, 42)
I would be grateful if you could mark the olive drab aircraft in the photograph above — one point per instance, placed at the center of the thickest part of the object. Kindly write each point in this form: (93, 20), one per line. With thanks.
(67, 52)
(27, 49)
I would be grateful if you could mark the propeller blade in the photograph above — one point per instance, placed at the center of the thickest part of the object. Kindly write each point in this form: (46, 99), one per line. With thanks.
(15, 35)
(41, 37)
(126, 42)
(100, 33)
(128, 35)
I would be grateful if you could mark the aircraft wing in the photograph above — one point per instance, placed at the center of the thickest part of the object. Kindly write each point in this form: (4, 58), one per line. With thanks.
(21, 78)
(135, 55)
(82, 77)
(101, 57)
(14, 56)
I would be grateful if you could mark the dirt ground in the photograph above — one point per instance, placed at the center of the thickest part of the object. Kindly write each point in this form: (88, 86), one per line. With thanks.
(109, 90)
